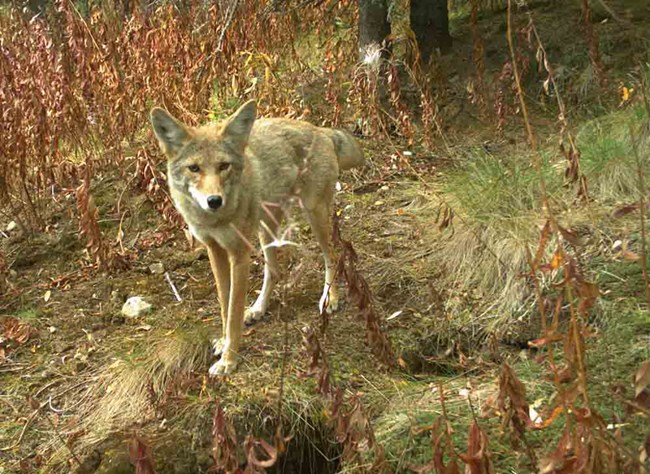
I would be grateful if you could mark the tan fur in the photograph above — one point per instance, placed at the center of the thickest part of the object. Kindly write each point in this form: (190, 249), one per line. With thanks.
(248, 168)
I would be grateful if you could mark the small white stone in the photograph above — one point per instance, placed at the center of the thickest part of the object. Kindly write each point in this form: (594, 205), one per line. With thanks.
(11, 226)
(135, 306)
(157, 268)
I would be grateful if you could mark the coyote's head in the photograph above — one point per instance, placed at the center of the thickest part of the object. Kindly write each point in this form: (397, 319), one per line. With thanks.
(205, 163)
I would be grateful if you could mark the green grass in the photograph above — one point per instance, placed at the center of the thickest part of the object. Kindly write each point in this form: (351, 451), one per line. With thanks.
(28, 314)
(497, 201)
(615, 351)
(505, 190)
(608, 158)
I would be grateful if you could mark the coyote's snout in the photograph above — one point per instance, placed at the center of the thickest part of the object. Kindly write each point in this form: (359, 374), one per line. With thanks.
(229, 181)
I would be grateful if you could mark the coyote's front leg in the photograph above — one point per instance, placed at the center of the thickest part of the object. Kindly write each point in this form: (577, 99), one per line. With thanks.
(220, 266)
(239, 266)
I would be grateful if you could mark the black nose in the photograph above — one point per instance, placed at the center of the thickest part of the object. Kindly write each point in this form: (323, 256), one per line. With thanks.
(215, 202)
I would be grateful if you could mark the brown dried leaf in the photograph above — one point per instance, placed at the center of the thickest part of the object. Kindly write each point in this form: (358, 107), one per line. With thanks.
(622, 211)
(570, 236)
(631, 256)
(140, 456)
(255, 448)
(543, 242)
(477, 458)
(551, 337)
(15, 330)
(548, 421)
(642, 378)
(224, 443)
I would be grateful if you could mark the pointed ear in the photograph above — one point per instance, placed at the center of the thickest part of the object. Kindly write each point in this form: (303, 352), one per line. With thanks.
(171, 133)
(239, 125)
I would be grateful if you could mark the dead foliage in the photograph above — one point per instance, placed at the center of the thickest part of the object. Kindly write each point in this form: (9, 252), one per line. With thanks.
(477, 459)
(258, 453)
(478, 90)
(318, 364)
(88, 226)
(346, 415)
(141, 457)
(359, 292)
(224, 443)
(592, 43)
(13, 333)
(75, 89)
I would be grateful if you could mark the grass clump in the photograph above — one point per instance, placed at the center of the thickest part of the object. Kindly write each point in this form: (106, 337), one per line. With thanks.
(608, 159)
(498, 208)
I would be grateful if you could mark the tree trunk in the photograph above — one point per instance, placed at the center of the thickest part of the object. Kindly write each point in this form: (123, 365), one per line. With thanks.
(374, 27)
(430, 23)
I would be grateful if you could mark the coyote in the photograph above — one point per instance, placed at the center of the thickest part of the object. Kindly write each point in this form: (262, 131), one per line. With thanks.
(229, 181)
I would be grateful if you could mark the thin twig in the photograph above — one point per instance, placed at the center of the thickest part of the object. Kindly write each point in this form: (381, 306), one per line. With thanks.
(173, 287)
(231, 15)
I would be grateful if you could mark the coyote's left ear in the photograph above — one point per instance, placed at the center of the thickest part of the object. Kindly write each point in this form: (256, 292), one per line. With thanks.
(239, 125)
(171, 133)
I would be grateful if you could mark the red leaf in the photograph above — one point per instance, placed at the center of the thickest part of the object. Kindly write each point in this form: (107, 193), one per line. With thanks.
(477, 457)
(140, 455)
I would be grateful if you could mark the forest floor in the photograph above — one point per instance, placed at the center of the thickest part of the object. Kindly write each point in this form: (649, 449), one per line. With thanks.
(77, 370)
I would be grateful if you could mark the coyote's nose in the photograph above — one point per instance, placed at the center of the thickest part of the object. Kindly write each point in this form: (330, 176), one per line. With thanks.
(215, 202)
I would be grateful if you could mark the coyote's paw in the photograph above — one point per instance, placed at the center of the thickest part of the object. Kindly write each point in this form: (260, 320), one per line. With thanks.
(224, 366)
(252, 315)
(218, 346)
(329, 303)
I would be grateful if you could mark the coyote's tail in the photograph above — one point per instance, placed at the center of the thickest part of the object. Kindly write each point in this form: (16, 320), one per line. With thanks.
(348, 150)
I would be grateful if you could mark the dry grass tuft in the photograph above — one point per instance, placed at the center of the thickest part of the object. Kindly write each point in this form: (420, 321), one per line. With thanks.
(130, 391)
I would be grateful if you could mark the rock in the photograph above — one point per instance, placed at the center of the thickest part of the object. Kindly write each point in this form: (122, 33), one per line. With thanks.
(157, 268)
(135, 306)
(11, 226)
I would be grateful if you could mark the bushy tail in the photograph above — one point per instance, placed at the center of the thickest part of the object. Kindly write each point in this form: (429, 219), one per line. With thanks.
(348, 150)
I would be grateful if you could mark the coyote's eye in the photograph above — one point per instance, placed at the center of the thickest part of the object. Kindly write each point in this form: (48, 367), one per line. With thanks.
(193, 168)
(224, 166)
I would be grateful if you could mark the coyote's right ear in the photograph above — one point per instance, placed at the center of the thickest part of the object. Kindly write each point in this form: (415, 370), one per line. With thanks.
(171, 133)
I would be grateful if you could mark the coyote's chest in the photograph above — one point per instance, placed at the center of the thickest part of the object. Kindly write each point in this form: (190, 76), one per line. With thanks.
(228, 236)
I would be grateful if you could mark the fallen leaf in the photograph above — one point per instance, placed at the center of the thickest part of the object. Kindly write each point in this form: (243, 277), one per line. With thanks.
(631, 256)
(642, 378)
